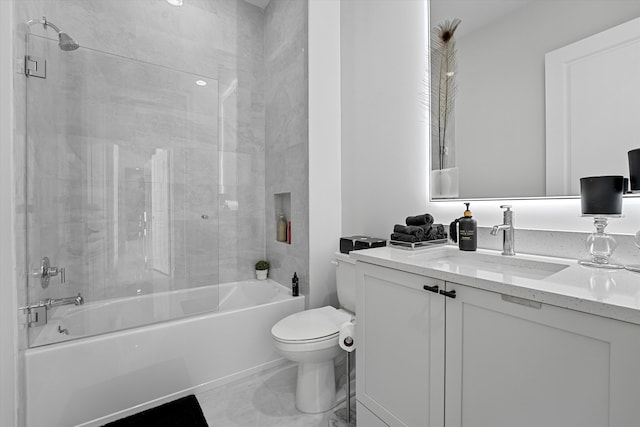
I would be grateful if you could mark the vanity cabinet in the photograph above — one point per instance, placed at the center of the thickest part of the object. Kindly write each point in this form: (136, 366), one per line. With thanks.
(488, 359)
(512, 361)
(366, 418)
(400, 355)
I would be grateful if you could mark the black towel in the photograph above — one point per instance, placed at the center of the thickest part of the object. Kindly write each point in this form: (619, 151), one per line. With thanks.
(425, 219)
(413, 230)
(434, 232)
(401, 237)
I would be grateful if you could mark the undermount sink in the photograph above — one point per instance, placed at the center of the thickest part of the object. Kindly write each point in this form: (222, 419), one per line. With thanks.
(479, 263)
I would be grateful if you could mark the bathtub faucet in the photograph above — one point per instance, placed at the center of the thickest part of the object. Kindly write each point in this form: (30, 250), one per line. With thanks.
(52, 302)
(36, 314)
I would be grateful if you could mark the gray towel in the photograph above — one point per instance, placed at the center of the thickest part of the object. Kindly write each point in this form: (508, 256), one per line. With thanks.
(414, 230)
(434, 232)
(401, 237)
(425, 219)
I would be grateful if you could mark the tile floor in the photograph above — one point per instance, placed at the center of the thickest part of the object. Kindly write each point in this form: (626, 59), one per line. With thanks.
(262, 400)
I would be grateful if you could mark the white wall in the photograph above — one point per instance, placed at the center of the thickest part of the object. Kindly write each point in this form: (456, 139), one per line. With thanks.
(384, 140)
(8, 305)
(324, 148)
(384, 150)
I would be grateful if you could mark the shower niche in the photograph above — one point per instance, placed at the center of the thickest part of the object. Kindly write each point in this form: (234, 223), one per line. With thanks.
(282, 217)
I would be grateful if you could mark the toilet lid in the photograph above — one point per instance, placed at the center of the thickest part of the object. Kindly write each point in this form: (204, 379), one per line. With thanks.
(310, 324)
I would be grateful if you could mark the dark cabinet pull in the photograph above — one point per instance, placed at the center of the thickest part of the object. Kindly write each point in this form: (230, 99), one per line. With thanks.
(431, 288)
(450, 294)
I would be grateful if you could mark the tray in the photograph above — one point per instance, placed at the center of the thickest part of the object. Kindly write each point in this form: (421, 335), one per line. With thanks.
(417, 245)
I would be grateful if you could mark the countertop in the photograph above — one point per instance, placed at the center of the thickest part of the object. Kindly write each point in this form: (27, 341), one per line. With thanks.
(609, 293)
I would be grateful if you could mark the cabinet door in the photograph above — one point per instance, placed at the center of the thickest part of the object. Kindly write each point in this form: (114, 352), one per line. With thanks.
(400, 353)
(514, 362)
(367, 418)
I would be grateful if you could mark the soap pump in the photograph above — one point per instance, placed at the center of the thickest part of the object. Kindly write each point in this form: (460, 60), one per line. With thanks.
(466, 234)
(295, 290)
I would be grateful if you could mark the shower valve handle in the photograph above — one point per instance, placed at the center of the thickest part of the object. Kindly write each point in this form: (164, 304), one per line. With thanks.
(54, 271)
(46, 272)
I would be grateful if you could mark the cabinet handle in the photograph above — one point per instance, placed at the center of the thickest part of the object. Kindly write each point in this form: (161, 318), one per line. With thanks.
(431, 288)
(450, 294)
(522, 301)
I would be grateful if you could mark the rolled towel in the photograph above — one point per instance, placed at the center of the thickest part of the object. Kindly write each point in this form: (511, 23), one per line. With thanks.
(401, 237)
(434, 232)
(414, 230)
(428, 232)
(425, 219)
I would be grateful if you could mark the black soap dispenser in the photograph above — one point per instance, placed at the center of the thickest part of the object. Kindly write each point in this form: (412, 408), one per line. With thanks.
(295, 290)
(467, 231)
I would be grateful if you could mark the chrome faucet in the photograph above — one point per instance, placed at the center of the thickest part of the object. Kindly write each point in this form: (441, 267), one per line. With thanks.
(54, 302)
(37, 313)
(51, 302)
(507, 227)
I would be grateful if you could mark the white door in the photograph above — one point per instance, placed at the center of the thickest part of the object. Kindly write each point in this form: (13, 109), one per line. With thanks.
(514, 362)
(592, 100)
(400, 355)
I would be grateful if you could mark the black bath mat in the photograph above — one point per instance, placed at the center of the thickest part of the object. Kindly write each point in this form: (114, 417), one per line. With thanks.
(183, 412)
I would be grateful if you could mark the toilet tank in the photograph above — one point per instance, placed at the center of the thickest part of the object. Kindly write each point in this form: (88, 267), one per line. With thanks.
(346, 281)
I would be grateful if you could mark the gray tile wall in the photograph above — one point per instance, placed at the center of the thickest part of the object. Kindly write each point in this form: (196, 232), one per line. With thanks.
(287, 144)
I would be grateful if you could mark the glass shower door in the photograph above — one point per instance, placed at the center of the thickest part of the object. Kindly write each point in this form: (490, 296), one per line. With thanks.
(122, 192)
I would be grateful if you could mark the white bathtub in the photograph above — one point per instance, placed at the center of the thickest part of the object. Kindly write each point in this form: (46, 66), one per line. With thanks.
(92, 381)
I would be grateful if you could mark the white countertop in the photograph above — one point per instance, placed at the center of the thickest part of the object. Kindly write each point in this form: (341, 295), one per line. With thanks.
(604, 292)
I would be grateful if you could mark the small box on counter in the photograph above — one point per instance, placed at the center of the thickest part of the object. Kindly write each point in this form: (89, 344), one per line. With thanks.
(354, 243)
(370, 242)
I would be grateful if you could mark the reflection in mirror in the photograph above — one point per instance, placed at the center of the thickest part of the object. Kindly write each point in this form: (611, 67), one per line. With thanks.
(501, 138)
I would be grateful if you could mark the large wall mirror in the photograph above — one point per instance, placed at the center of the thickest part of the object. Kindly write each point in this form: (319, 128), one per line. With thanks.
(546, 91)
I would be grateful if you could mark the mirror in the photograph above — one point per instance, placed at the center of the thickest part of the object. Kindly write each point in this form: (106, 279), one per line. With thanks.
(512, 133)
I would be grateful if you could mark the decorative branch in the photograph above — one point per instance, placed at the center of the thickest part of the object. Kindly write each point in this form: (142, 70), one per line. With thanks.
(443, 82)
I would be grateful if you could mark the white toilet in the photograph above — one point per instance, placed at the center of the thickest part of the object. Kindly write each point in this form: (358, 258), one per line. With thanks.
(311, 338)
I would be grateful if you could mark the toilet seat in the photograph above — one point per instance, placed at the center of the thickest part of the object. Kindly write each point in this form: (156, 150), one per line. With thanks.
(310, 326)
(309, 341)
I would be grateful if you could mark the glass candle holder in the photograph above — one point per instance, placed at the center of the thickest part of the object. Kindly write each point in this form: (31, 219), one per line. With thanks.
(600, 246)
(601, 197)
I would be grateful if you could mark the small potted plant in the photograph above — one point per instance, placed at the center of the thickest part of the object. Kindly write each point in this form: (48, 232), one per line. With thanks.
(262, 269)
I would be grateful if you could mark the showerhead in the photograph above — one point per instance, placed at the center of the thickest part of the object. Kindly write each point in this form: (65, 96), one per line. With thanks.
(65, 42)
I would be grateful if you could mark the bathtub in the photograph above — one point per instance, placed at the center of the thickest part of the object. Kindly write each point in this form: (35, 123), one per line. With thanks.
(93, 380)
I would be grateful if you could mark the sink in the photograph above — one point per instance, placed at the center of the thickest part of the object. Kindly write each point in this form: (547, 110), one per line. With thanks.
(482, 264)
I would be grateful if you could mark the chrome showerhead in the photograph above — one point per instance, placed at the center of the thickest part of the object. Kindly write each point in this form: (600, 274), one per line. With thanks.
(65, 42)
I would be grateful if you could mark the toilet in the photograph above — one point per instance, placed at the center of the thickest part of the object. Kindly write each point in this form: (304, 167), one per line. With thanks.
(310, 338)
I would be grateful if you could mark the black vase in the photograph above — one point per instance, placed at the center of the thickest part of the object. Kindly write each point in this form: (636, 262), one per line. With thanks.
(634, 168)
(601, 195)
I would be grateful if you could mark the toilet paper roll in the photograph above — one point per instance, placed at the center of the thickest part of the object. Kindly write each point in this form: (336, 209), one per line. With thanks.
(347, 337)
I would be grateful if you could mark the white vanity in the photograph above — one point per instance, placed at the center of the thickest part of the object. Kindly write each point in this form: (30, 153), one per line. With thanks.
(474, 339)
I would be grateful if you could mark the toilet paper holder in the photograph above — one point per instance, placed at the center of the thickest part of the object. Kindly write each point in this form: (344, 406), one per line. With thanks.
(347, 343)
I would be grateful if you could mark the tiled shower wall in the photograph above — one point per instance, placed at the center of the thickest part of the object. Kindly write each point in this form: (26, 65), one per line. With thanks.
(287, 144)
(220, 39)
